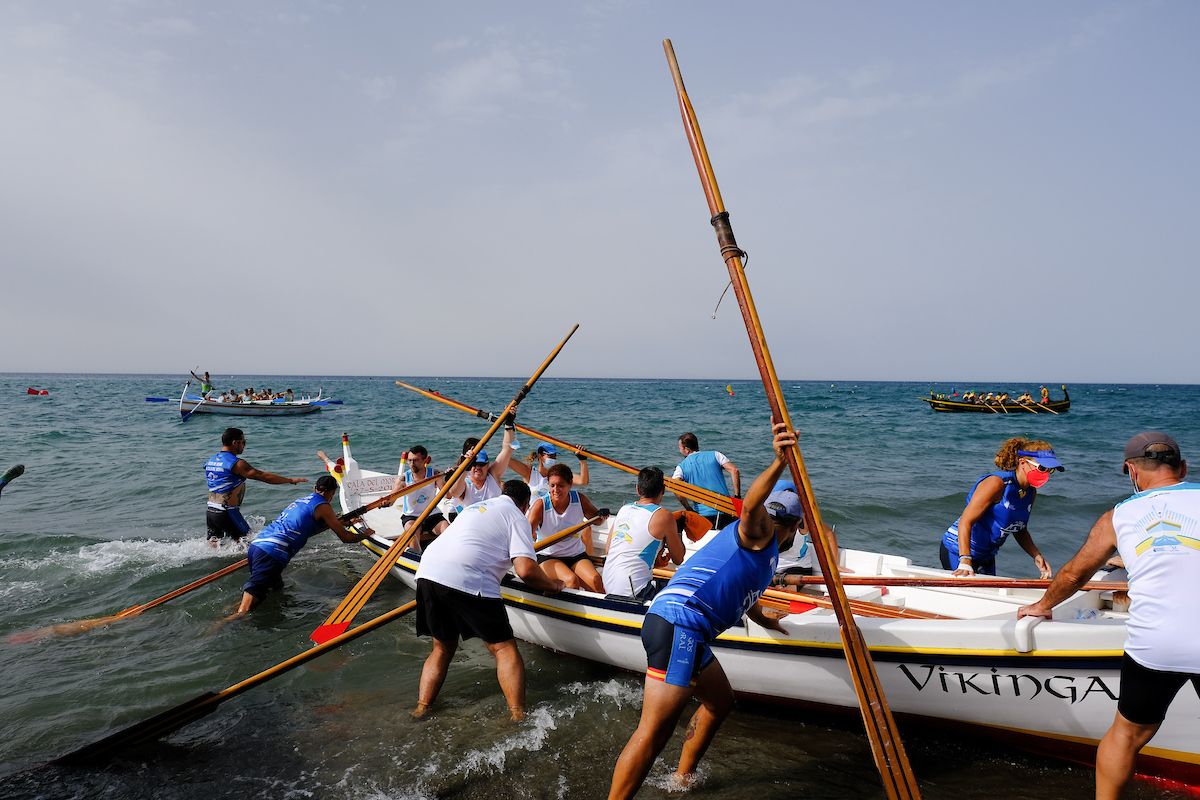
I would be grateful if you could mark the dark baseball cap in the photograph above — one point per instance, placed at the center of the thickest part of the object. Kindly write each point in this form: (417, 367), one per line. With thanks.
(1154, 445)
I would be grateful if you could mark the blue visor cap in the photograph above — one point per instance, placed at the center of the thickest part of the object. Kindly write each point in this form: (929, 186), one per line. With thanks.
(1044, 457)
(482, 458)
(548, 449)
(784, 486)
(784, 504)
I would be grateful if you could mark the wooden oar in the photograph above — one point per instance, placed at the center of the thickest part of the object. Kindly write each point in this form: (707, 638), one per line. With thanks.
(960, 583)
(554, 538)
(353, 602)
(11, 475)
(1031, 409)
(175, 718)
(85, 625)
(720, 502)
(888, 750)
(795, 604)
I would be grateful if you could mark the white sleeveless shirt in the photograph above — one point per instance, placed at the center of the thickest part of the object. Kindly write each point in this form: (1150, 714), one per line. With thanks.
(415, 502)
(553, 522)
(631, 550)
(1158, 536)
(472, 496)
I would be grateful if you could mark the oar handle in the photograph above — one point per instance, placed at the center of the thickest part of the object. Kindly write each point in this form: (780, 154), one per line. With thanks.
(542, 544)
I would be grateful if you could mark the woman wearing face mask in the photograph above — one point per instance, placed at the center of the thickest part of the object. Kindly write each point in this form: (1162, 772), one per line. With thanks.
(998, 505)
(535, 471)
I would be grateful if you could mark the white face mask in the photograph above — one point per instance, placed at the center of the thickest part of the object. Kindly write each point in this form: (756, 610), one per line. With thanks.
(549, 461)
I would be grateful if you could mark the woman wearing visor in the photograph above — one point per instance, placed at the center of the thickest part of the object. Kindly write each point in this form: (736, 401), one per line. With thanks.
(998, 505)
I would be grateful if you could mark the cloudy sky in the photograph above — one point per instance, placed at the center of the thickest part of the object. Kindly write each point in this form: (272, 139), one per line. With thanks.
(928, 191)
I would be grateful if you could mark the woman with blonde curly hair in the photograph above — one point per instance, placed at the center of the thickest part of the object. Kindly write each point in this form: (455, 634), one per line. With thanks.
(998, 505)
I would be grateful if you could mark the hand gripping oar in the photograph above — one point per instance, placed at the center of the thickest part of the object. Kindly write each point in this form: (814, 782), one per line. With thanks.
(720, 502)
(353, 602)
(12, 474)
(175, 718)
(886, 746)
(85, 625)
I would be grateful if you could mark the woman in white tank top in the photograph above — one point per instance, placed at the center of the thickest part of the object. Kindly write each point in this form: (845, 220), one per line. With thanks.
(562, 507)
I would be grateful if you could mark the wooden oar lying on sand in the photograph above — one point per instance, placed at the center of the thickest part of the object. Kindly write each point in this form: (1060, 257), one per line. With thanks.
(357, 597)
(722, 503)
(175, 718)
(85, 625)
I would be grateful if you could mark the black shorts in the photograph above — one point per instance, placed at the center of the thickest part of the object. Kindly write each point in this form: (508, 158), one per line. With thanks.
(674, 654)
(226, 522)
(982, 568)
(1147, 693)
(570, 561)
(449, 614)
(428, 525)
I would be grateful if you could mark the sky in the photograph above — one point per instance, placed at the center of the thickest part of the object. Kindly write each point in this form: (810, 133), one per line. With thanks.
(927, 190)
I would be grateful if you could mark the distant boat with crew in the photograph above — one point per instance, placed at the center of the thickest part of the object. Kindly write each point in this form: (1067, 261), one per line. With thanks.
(999, 402)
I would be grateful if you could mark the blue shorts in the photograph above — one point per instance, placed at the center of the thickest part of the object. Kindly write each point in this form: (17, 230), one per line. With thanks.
(674, 654)
(266, 572)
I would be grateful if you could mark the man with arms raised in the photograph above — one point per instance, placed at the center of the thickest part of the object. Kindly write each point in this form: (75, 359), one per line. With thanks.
(639, 532)
(708, 594)
(226, 474)
(458, 591)
(415, 467)
(1157, 532)
(704, 468)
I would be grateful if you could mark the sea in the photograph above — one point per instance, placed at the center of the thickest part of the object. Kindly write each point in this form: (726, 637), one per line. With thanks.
(110, 513)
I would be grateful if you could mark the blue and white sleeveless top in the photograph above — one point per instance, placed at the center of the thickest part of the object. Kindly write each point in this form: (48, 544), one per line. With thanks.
(1008, 516)
(539, 484)
(631, 550)
(219, 475)
(1158, 536)
(715, 587)
(553, 522)
(704, 470)
(415, 502)
(292, 529)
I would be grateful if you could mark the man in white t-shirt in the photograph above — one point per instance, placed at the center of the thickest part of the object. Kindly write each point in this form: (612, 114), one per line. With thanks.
(1157, 532)
(458, 591)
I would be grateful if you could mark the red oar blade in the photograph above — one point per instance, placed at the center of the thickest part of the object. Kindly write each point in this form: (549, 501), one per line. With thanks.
(328, 631)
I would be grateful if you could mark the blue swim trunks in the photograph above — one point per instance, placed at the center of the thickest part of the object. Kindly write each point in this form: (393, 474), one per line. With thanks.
(674, 654)
(266, 572)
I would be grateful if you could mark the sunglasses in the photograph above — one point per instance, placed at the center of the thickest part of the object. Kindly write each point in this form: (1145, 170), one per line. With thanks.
(1039, 467)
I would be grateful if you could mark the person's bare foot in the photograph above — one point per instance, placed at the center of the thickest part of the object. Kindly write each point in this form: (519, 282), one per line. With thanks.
(682, 782)
(420, 711)
(516, 713)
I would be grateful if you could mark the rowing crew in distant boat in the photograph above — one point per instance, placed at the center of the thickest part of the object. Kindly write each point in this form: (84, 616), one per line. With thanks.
(998, 402)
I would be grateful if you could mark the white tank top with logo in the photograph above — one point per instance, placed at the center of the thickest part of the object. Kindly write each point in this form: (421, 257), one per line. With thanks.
(490, 489)
(631, 550)
(553, 522)
(1158, 536)
(415, 502)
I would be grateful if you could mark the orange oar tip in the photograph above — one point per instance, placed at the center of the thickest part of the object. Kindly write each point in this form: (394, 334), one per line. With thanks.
(329, 631)
(737, 505)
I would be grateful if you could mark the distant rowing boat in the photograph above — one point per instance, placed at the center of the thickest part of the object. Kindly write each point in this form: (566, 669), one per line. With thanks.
(199, 404)
(1010, 407)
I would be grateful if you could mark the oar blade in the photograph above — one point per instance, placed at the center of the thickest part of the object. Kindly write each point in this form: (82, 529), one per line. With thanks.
(145, 731)
(158, 399)
(329, 630)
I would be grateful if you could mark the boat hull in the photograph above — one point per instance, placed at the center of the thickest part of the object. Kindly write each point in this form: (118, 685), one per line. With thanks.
(958, 407)
(258, 408)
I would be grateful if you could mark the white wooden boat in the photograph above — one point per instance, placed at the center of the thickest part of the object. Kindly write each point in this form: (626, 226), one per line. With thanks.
(203, 404)
(1049, 686)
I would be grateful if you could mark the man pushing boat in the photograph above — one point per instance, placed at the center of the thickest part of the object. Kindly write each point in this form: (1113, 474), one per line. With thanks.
(1157, 533)
(709, 593)
(226, 474)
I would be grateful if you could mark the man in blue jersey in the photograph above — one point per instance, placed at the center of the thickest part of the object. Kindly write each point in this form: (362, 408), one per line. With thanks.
(708, 594)
(277, 543)
(226, 474)
(1157, 533)
(706, 468)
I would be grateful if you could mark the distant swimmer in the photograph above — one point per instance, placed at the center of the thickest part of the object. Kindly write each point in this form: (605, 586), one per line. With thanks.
(226, 474)
(706, 468)
(278, 543)
(999, 505)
